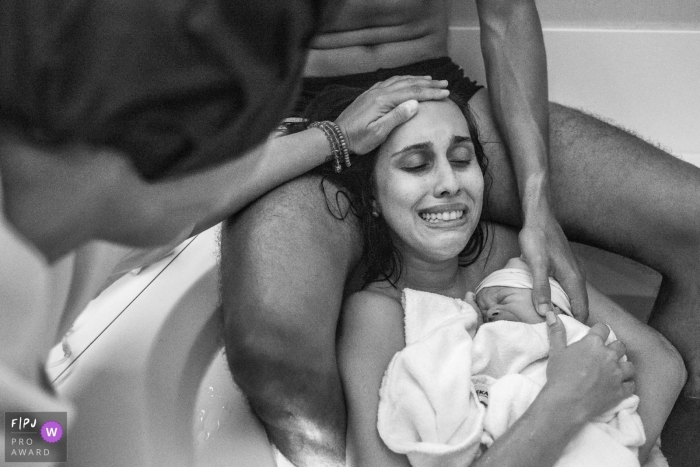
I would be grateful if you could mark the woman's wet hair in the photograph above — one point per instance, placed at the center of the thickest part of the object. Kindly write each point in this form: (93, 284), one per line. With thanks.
(382, 260)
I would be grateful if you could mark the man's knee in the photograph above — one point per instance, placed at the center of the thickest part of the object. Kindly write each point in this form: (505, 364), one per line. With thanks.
(276, 361)
(285, 260)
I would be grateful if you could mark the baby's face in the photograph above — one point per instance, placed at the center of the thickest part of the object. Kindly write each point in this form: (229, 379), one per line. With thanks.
(507, 304)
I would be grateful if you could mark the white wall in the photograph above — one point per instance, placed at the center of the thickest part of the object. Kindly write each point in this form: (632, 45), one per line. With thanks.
(625, 14)
(632, 62)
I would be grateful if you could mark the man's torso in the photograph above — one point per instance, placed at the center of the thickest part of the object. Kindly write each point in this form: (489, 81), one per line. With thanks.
(368, 34)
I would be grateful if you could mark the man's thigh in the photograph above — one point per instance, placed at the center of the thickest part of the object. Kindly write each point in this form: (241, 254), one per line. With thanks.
(609, 188)
(285, 260)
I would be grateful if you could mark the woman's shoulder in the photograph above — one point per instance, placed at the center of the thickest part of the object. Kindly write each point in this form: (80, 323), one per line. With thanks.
(375, 304)
(382, 290)
(371, 326)
(373, 297)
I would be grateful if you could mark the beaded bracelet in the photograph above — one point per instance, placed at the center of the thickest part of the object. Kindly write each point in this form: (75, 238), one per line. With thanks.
(339, 147)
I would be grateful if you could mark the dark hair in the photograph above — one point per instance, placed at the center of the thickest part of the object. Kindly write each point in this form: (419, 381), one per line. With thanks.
(381, 257)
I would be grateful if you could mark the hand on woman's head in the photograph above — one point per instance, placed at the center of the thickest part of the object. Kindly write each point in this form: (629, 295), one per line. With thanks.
(588, 374)
(376, 112)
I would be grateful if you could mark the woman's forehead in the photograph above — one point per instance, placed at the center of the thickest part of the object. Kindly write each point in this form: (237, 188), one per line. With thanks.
(434, 119)
(443, 112)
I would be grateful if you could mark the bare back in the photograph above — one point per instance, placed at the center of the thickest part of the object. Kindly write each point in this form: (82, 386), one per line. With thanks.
(370, 34)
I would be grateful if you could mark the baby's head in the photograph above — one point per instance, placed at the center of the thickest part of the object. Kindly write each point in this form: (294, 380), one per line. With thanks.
(506, 295)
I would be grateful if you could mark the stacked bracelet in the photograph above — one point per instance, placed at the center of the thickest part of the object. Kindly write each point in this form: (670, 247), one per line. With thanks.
(339, 147)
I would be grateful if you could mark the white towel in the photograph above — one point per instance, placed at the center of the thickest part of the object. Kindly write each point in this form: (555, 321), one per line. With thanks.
(429, 404)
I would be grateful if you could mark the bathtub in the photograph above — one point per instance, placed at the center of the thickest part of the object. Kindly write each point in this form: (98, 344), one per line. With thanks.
(144, 365)
(145, 368)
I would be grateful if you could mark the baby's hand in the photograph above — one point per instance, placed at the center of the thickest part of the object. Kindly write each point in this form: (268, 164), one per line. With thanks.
(471, 299)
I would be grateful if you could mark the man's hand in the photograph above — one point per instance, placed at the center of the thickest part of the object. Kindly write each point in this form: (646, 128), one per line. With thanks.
(547, 252)
(376, 112)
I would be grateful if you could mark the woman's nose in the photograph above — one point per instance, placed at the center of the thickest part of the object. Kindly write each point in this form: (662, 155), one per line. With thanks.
(446, 180)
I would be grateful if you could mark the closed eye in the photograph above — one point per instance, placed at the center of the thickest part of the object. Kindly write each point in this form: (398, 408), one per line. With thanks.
(416, 161)
(462, 155)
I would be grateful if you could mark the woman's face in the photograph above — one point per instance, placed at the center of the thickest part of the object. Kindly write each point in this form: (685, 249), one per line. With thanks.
(428, 183)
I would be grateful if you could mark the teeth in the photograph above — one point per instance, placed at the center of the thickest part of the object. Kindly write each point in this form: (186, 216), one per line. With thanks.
(435, 217)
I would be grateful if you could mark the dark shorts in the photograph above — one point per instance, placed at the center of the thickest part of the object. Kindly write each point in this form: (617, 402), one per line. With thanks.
(461, 88)
(175, 85)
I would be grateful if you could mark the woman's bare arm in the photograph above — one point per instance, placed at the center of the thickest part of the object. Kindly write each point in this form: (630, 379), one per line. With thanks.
(660, 371)
(371, 333)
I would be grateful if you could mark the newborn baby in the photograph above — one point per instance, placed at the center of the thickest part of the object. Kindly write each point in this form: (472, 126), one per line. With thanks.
(506, 295)
(458, 385)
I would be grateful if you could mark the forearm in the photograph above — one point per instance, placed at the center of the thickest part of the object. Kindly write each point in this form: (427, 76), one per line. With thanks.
(660, 374)
(538, 438)
(516, 71)
(659, 380)
(205, 199)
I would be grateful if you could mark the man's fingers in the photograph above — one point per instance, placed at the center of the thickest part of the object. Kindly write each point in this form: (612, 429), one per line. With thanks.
(574, 284)
(557, 332)
(628, 370)
(395, 79)
(601, 330)
(628, 388)
(541, 294)
(618, 347)
(414, 92)
(409, 81)
(400, 114)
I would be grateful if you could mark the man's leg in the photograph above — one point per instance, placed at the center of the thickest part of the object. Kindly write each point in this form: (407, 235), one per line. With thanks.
(285, 261)
(614, 191)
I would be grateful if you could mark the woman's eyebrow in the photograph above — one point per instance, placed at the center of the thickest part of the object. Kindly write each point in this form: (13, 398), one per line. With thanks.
(461, 139)
(425, 145)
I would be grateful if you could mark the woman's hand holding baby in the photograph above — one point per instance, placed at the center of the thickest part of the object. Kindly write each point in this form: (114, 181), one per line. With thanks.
(376, 112)
(587, 376)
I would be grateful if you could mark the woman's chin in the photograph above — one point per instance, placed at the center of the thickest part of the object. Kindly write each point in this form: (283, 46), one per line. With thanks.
(447, 250)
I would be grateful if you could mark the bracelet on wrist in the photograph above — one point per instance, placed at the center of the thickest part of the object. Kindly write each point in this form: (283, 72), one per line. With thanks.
(339, 147)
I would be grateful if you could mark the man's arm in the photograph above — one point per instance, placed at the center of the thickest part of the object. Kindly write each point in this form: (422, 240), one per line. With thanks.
(516, 71)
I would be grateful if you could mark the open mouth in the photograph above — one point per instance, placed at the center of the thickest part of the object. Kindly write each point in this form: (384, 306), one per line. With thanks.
(436, 217)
